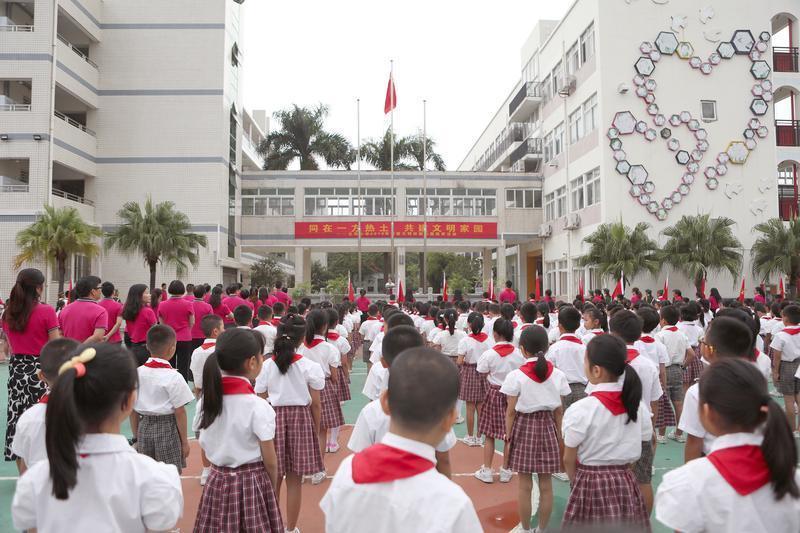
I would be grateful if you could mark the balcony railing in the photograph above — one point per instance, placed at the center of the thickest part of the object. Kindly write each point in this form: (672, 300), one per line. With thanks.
(15, 107)
(77, 51)
(530, 89)
(20, 28)
(787, 204)
(787, 132)
(74, 123)
(13, 188)
(72, 197)
(532, 146)
(515, 132)
(785, 59)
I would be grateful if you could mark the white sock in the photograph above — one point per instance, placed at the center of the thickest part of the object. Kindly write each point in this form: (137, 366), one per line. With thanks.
(334, 436)
(459, 406)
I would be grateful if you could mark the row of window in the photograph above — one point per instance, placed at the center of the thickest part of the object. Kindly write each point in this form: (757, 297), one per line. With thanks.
(584, 191)
(579, 53)
(556, 278)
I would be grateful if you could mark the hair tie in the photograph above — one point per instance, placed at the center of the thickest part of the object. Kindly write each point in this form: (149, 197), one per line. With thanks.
(78, 362)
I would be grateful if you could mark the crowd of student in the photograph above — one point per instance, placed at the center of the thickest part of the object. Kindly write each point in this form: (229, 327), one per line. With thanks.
(581, 391)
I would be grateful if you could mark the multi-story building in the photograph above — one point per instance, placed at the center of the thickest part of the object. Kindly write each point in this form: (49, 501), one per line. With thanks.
(647, 111)
(105, 102)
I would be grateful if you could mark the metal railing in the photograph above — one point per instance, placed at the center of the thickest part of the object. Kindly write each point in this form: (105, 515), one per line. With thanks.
(19, 28)
(77, 51)
(786, 59)
(530, 89)
(532, 146)
(74, 123)
(515, 132)
(72, 197)
(15, 107)
(787, 132)
(13, 188)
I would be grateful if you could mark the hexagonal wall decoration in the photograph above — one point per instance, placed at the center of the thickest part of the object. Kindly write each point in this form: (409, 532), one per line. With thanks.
(759, 106)
(666, 42)
(737, 152)
(673, 144)
(624, 122)
(743, 41)
(637, 175)
(685, 50)
(666, 133)
(645, 66)
(682, 157)
(726, 50)
(615, 144)
(760, 70)
(623, 167)
(688, 179)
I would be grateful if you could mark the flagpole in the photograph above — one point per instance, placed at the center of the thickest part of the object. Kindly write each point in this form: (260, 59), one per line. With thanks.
(391, 157)
(424, 266)
(358, 173)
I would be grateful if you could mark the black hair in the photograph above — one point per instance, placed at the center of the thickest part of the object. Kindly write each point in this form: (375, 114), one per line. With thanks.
(715, 293)
(528, 312)
(333, 318)
(316, 324)
(504, 328)
(730, 337)
(535, 341)
(423, 388)
(791, 313)
(243, 315)
(544, 310)
(209, 323)
(24, 296)
(494, 308)
(176, 288)
(609, 352)
(449, 319)
(475, 321)
(670, 314)
(737, 392)
(569, 318)
(155, 298)
(85, 286)
(291, 332)
(397, 340)
(599, 315)
(689, 313)
(199, 291)
(244, 294)
(159, 338)
(463, 306)
(398, 319)
(626, 325)
(77, 403)
(234, 347)
(53, 354)
(215, 300)
(278, 308)
(372, 310)
(133, 303)
(507, 311)
(264, 312)
(107, 288)
(190, 288)
(649, 318)
(753, 324)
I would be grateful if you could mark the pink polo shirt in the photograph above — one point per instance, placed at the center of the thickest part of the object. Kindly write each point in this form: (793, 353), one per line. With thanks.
(29, 341)
(232, 302)
(175, 313)
(362, 303)
(189, 297)
(283, 297)
(508, 296)
(222, 311)
(138, 328)
(201, 309)
(79, 319)
(113, 308)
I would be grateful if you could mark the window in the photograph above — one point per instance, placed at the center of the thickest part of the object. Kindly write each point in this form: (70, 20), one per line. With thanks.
(548, 146)
(575, 126)
(576, 186)
(550, 207)
(590, 114)
(457, 201)
(585, 190)
(345, 201)
(14, 175)
(587, 44)
(531, 70)
(547, 93)
(561, 267)
(561, 202)
(708, 109)
(523, 198)
(15, 95)
(558, 139)
(267, 202)
(573, 59)
(558, 77)
(592, 180)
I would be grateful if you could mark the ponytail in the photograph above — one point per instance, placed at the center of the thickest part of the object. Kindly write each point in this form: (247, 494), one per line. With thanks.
(541, 366)
(534, 340)
(631, 392)
(212, 391)
(611, 353)
(450, 316)
(63, 429)
(475, 321)
(24, 296)
(316, 322)
(544, 310)
(290, 334)
(779, 451)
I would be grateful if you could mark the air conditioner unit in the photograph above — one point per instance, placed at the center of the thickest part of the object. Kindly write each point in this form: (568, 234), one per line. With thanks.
(573, 221)
(545, 230)
(569, 86)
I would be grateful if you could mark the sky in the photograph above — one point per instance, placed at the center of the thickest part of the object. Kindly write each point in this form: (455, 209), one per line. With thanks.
(462, 57)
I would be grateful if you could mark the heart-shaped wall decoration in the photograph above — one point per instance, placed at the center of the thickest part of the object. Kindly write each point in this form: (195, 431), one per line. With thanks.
(656, 124)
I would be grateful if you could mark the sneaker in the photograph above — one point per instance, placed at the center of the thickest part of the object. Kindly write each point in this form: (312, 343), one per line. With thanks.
(505, 475)
(332, 447)
(318, 478)
(204, 475)
(469, 440)
(561, 476)
(682, 438)
(295, 530)
(485, 474)
(482, 440)
(677, 438)
(460, 419)
(661, 439)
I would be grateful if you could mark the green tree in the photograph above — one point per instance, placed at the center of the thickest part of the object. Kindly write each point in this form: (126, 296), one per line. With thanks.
(266, 272)
(377, 152)
(159, 233)
(777, 251)
(56, 235)
(699, 244)
(461, 270)
(415, 152)
(615, 248)
(320, 276)
(301, 135)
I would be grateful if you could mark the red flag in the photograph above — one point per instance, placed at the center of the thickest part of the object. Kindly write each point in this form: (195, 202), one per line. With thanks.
(703, 288)
(491, 289)
(620, 287)
(665, 294)
(444, 286)
(780, 288)
(538, 293)
(741, 292)
(351, 293)
(401, 296)
(391, 96)
(580, 289)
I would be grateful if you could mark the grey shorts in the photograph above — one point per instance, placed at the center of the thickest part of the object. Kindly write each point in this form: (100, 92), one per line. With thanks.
(577, 392)
(365, 353)
(643, 468)
(787, 384)
(675, 383)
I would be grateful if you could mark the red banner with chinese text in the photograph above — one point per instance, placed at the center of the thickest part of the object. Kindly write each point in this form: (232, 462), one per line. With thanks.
(403, 230)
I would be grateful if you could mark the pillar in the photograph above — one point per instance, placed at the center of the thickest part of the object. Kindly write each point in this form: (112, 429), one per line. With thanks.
(502, 276)
(486, 263)
(423, 283)
(302, 265)
(400, 268)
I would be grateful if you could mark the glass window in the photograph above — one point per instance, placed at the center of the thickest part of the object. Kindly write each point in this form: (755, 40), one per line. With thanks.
(593, 187)
(573, 59)
(561, 202)
(576, 186)
(587, 44)
(268, 202)
(558, 77)
(523, 198)
(575, 126)
(549, 207)
(590, 114)
(548, 146)
(558, 139)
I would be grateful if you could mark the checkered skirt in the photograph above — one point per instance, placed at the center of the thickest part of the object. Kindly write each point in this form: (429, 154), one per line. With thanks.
(158, 438)
(356, 340)
(666, 415)
(238, 499)
(492, 420)
(606, 497)
(533, 446)
(296, 443)
(692, 372)
(472, 384)
(787, 384)
(332, 416)
(344, 387)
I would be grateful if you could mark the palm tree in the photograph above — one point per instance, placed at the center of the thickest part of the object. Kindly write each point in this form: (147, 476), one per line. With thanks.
(415, 152)
(698, 244)
(777, 250)
(302, 136)
(377, 152)
(57, 234)
(614, 248)
(159, 233)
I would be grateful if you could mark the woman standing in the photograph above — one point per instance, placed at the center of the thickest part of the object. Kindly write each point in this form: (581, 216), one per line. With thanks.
(29, 325)
(178, 314)
(139, 318)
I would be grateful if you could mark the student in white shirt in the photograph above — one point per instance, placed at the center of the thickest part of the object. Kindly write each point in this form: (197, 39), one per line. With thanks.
(429, 313)
(595, 322)
(447, 342)
(472, 384)
(434, 332)
(493, 314)
(393, 486)
(378, 375)
(603, 435)
(688, 326)
(95, 481)
(267, 329)
(749, 480)
(238, 429)
(786, 362)
(527, 313)
(340, 343)
(293, 384)
(680, 353)
(533, 424)
(656, 351)
(159, 418)
(29, 440)
(463, 315)
(497, 362)
(568, 354)
(727, 337)
(368, 329)
(373, 423)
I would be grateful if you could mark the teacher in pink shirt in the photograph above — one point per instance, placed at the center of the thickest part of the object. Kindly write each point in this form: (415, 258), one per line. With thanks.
(178, 313)
(508, 295)
(85, 320)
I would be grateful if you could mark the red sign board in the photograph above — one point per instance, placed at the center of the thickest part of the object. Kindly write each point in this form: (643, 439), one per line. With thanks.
(403, 230)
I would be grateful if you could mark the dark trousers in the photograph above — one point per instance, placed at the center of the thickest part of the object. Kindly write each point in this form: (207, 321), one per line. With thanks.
(196, 343)
(139, 351)
(183, 354)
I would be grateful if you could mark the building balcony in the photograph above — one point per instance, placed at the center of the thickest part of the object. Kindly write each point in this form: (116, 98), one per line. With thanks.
(525, 102)
(528, 156)
(250, 160)
(72, 197)
(787, 202)
(80, 53)
(786, 59)
(6, 26)
(787, 132)
(497, 155)
(74, 123)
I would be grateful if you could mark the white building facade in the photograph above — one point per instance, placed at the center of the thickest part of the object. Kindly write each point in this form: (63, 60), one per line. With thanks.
(647, 111)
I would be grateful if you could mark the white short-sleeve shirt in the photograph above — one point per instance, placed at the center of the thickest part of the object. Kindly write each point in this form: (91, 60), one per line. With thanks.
(787, 341)
(290, 388)
(198, 361)
(450, 343)
(690, 418)
(649, 376)
(372, 424)
(29, 442)
(377, 381)
(325, 354)
(472, 347)
(533, 396)
(591, 334)
(370, 327)
(270, 333)
(497, 366)
(518, 332)
(161, 390)
(340, 342)
(653, 349)
(676, 342)
(692, 331)
(568, 356)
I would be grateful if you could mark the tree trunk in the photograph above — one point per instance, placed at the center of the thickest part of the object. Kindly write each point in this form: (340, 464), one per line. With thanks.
(152, 265)
(422, 272)
(61, 265)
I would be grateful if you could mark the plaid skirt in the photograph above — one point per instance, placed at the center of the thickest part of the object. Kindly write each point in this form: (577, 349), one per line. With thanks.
(692, 372)
(787, 384)
(158, 438)
(24, 390)
(356, 340)
(607, 497)
(332, 416)
(533, 445)
(344, 387)
(472, 384)
(238, 499)
(643, 468)
(666, 415)
(492, 421)
(296, 443)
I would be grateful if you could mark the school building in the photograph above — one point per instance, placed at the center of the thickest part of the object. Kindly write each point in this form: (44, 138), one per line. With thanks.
(647, 111)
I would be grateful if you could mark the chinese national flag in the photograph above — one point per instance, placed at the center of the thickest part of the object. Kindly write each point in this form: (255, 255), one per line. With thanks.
(391, 96)
(780, 288)
(741, 292)
(351, 293)
(401, 295)
(491, 289)
(580, 290)
(703, 288)
(665, 294)
(619, 288)
(444, 286)
(537, 295)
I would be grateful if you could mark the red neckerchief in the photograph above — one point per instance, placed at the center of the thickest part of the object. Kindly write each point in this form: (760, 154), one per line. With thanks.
(480, 337)
(276, 322)
(671, 328)
(504, 349)
(296, 357)
(756, 353)
(231, 385)
(441, 327)
(375, 318)
(611, 400)
(524, 326)
(539, 321)
(45, 398)
(381, 463)
(333, 336)
(514, 323)
(315, 342)
(529, 370)
(633, 353)
(743, 467)
(597, 332)
(794, 330)
(570, 338)
(157, 364)
(428, 318)
(207, 345)
(266, 323)
(647, 339)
